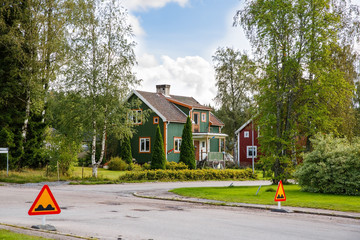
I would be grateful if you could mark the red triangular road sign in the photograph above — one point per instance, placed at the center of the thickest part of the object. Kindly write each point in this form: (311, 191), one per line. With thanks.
(280, 193)
(45, 203)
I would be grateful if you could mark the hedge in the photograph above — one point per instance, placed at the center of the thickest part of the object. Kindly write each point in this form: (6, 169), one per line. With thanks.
(188, 175)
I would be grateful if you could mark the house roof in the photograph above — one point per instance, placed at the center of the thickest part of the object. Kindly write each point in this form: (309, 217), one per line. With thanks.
(159, 104)
(163, 106)
(215, 121)
(243, 126)
(189, 102)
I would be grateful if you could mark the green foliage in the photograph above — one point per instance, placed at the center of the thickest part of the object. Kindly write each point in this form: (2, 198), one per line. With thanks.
(62, 152)
(302, 88)
(146, 166)
(125, 150)
(176, 166)
(158, 159)
(187, 150)
(117, 164)
(188, 175)
(236, 83)
(332, 167)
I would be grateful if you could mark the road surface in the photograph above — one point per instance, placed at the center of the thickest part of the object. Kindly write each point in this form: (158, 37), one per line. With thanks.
(112, 212)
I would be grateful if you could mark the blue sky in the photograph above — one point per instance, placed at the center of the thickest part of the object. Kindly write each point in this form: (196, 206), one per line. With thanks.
(176, 31)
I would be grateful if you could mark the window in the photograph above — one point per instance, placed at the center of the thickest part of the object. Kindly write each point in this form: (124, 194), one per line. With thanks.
(196, 118)
(246, 134)
(156, 120)
(251, 151)
(203, 117)
(177, 144)
(144, 145)
(135, 116)
(203, 144)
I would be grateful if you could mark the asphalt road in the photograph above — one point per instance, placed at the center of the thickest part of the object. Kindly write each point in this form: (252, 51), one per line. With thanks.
(112, 212)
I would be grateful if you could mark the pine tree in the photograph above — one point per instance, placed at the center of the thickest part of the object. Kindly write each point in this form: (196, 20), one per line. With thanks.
(187, 153)
(158, 160)
(125, 150)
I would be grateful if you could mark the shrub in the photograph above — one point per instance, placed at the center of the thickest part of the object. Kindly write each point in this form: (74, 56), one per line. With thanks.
(332, 167)
(188, 175)
(158, 159)
(125, 150)
(176, 166)
(117, 164)
(187, 153)
(146, 166)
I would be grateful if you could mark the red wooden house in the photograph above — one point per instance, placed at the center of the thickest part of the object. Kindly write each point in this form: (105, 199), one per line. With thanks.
(247, 144)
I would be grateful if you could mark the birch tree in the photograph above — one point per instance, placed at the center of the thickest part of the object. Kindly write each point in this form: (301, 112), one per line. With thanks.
(100, 68)
(235, 75)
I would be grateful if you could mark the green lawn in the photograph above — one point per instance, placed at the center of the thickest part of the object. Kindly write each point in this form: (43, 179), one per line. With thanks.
(294, 196)
(8, 235)
(33, 176)
(102, 173)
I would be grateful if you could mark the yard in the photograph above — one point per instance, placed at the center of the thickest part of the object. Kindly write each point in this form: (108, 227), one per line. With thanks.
(295, 197)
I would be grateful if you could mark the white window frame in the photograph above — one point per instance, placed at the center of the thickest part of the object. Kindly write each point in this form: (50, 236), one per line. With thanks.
(177, 146)
(144, 139)
(254, 150)
(246, 134)
(203, 117)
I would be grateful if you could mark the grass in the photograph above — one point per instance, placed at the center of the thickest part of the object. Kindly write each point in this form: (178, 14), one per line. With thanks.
(35, 176)
(8, 235)
(295, 197)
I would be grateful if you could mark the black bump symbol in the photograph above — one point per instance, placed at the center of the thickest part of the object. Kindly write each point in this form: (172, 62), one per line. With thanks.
(41, 208)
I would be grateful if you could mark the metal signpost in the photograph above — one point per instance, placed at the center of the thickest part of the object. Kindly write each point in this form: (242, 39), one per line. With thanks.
(6, 150)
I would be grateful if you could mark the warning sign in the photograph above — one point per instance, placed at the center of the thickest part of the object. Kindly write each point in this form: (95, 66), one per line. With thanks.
(280, 193)
(45, 203)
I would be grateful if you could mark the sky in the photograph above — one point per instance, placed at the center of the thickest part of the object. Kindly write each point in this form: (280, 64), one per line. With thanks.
(176, 40)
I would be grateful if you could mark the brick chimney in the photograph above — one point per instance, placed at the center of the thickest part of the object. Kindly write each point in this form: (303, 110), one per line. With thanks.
(163, 89)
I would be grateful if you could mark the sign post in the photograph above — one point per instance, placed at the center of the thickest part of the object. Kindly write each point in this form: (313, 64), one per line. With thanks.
(6, 150)
(44, 204)
(280, 195)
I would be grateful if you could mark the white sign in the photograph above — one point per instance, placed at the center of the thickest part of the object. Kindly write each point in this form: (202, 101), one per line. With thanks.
(4, 150)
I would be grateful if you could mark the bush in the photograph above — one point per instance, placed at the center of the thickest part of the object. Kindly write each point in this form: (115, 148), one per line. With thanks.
(332, 167)
(62, 152)
(188, 175)
(158, 159)
(117, 164)
(187, 153)
(176, 166)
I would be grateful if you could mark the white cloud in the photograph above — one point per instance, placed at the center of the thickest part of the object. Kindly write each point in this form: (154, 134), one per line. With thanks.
(143, 5)
(190, 76)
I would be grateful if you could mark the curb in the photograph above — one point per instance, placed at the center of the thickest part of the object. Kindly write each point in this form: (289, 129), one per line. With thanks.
(29, 230)
(245, 205)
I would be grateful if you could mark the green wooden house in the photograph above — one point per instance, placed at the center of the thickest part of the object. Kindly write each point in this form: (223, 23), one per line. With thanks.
(170, 113)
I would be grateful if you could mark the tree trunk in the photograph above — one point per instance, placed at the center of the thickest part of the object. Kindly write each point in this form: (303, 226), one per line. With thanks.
(103, 142)
(27, 115)
(93, 151)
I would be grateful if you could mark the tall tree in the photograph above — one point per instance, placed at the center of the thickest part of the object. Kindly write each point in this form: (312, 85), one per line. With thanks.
(158, 159)
(187, 150)
(235, 81)
(301, 87)
(100, 68)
